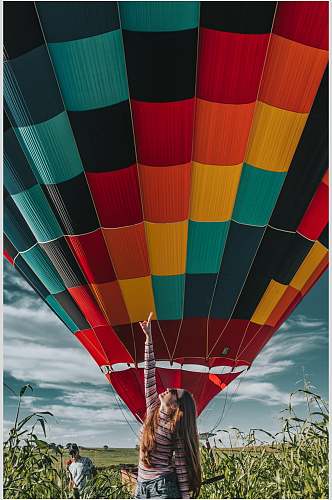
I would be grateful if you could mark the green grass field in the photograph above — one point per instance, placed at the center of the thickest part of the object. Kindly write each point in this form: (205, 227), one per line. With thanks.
(112, 456)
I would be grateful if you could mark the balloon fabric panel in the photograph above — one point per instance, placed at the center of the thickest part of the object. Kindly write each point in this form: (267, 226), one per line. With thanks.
(292, 74)
(117, 197)
(128, 248)
(165, 192)
(294, 20)
(221, 132)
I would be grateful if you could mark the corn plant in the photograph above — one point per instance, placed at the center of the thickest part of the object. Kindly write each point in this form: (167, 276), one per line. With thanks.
(294, 464)
(30, 466)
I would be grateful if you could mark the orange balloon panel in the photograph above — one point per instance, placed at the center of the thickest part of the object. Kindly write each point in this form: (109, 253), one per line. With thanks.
(128, 250)
(165, 192)
(110, 299)
(292, 74)
(221, 132)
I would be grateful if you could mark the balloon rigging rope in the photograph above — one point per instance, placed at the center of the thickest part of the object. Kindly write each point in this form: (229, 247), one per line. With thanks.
(120, 406)
(225, 410)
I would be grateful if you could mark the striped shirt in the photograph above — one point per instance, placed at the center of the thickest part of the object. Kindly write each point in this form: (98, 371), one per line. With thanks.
(168, 454)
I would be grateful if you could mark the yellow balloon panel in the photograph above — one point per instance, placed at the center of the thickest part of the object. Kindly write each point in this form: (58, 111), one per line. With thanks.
(138, 297)
(274, 137)
(167, 245)
(213, 192)
(308, 266)
(268, 302)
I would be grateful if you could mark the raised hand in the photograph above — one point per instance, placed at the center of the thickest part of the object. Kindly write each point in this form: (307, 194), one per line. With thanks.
(146, 327)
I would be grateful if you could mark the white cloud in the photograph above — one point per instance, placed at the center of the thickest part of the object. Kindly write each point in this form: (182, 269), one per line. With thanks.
(265, 392)
(87, 397)
(300, 337)
(33, 362)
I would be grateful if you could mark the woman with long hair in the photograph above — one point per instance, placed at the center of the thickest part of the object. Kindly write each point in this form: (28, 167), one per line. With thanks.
(169, 458)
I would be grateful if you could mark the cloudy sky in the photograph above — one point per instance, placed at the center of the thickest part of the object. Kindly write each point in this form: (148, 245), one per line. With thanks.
(39, 350)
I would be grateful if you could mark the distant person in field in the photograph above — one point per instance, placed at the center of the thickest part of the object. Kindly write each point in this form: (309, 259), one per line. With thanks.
(81, 469)
(169, 459)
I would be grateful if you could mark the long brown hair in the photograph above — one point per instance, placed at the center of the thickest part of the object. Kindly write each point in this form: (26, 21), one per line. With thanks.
(184, 426)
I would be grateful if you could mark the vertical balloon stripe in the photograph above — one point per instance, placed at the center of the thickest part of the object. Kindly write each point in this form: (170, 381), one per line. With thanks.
(232, 53)
(160, 41)
(308, 165)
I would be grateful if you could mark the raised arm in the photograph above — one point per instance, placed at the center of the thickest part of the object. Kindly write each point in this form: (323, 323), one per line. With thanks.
(181, 468)
(151, 394)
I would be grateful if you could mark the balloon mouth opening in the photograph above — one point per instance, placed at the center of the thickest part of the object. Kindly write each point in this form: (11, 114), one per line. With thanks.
(217, 370)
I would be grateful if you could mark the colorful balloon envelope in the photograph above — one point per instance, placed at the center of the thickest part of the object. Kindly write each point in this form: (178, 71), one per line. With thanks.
(167, 157)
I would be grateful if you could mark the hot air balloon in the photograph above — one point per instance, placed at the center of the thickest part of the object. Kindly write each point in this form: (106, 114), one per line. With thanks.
(167, 157)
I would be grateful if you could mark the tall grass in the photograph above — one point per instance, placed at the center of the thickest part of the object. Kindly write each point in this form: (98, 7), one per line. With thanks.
(292, 464)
